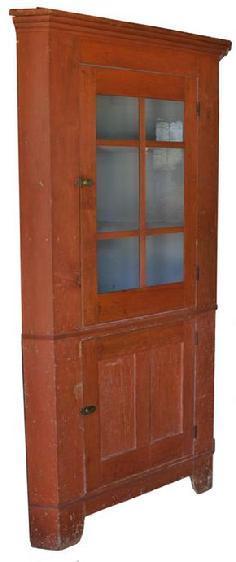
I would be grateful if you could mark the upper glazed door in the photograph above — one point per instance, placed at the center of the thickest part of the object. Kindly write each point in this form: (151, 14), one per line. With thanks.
(138, 192)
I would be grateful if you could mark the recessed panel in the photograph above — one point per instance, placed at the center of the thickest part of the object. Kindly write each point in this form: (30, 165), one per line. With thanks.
(164, 120)
(167, 375)
(117, 264)
(117, 180)
(117, 117)
(117, 389)
(164, 187)
(165, 258)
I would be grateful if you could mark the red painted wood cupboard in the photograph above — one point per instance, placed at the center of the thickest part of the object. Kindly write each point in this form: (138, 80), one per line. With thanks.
(118, 154)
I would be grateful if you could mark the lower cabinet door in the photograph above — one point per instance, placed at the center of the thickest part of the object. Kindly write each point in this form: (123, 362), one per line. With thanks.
(141, 383)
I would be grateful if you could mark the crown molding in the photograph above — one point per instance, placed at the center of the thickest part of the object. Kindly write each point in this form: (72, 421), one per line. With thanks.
(42, 17)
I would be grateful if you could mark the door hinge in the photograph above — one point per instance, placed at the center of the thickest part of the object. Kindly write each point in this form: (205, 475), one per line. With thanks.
(84, 182)
(78, 279)
(198, 108)
(195, 431)
(197, 272)
(196, 337)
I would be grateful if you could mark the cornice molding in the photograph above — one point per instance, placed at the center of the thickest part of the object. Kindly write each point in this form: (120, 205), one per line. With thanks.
(42, 17)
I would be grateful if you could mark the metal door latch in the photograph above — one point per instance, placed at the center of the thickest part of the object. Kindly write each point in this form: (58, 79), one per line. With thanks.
(87, 410)
(84, 182)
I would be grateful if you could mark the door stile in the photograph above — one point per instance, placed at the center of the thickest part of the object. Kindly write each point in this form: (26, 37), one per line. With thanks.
(142, 194)
(188, 387)
(87, 167)
(190, 188)
(91, 422)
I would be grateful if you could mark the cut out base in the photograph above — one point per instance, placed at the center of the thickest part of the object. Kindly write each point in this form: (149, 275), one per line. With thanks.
(55, 528)
(202, 477)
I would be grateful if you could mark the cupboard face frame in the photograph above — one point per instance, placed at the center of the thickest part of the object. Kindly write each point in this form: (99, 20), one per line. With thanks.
(64, 324)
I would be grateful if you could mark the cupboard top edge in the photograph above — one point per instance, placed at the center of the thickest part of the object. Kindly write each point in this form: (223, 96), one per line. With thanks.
(40, 17)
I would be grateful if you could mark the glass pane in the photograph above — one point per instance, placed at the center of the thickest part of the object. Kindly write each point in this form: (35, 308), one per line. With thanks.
(164, 187)
(165, 258)
(164, 120)
(117, 117)
(118, 264)
(117, 188)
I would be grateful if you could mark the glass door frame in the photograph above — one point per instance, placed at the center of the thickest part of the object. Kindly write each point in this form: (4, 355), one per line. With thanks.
(102, 307)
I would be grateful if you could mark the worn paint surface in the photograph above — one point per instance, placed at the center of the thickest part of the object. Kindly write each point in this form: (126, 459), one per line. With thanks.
(72, 338)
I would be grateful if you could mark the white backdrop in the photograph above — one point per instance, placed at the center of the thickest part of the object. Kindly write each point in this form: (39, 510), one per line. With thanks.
(172, 523)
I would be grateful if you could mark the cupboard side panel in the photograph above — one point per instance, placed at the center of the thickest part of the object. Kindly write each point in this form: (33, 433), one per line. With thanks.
(40, 421)
(64, 140)
(53, 395)
(70, 428)
(207, 180)
(35, 180)
(204, 384)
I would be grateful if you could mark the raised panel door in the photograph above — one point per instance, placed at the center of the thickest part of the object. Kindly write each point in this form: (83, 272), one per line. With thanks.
(142, 386)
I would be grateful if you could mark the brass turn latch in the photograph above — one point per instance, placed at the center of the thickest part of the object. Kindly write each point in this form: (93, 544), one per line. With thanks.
(84, 182)
(87, 410)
